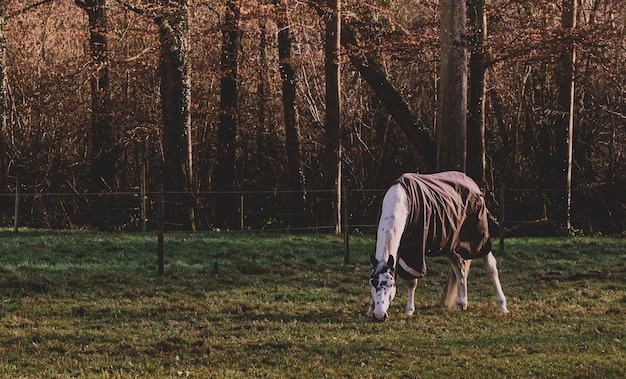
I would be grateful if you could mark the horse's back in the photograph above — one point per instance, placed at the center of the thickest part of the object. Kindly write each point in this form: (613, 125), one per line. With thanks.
(448, 183)
(447, 213)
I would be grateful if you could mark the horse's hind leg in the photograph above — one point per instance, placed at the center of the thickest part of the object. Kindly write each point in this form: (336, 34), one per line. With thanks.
(410, 302)
(492, 269)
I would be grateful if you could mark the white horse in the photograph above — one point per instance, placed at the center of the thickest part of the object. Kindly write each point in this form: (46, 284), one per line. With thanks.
(425, 215)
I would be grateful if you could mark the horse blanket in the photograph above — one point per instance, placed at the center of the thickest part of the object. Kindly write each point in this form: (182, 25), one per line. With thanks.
(447, 214)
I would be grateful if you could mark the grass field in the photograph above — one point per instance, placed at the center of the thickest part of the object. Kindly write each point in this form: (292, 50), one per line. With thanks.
(246, 305)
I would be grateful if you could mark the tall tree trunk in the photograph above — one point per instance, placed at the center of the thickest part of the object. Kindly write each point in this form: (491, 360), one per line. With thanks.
(3, 102)
(565, 123)
(5, 203)
(176, 105)
(263, 88)
(451, 133)
(292, 127)
(102, 141)
(333, 113)
(476, 160)
(102, 134)
(224, 172)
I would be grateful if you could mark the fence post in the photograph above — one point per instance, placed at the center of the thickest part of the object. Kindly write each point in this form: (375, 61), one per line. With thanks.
(160, 246)
(346, 235)
(501, 233)
(143, 205)
(16, 216)
(241, 212)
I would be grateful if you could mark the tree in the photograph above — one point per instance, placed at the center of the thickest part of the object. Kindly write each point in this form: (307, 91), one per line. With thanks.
(102, 135)
(172, 20)
(451, 133)
(368, 66)
(387, 122)
(224, 172)
(476, 91)
(102, 141)
(3, 97)
(565, 123)
(292, 126)
(415, 131)
(333, 113)
(174, 71)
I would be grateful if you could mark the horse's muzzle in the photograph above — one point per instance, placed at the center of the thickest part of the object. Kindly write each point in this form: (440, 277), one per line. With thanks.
(381, 319)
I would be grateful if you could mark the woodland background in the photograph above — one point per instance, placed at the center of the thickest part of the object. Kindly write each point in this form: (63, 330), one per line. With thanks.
(103, 97)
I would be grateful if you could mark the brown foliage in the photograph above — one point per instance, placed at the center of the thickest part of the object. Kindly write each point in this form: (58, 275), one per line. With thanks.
(48, 114)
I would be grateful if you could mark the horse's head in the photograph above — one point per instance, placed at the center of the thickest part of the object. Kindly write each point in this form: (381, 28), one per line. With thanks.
(383, 282)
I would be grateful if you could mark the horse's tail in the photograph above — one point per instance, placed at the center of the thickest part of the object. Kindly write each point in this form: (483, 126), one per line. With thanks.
(451, 290)
(449, 293)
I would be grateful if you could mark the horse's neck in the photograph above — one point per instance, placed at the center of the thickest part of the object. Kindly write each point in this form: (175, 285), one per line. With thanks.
(393, 219)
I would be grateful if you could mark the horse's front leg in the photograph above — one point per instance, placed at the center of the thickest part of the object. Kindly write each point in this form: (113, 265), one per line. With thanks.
(370, 311)
(460, 267)
(410, 302)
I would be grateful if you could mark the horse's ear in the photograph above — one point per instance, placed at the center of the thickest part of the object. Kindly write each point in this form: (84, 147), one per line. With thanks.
(373, 260)
(391, 262)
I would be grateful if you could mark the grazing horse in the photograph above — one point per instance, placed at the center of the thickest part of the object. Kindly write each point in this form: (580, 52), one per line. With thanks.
(427, 215)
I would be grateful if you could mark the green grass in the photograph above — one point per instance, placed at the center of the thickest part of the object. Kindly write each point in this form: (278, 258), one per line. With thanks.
(86, 304)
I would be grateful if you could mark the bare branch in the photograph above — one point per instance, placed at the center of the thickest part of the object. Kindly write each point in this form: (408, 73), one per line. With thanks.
(135, 57)
(81, 4)
(131, 7)
(27, 8)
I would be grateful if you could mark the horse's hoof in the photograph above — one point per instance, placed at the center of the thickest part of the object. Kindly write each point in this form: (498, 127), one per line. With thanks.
(502, 306)
(460, 308)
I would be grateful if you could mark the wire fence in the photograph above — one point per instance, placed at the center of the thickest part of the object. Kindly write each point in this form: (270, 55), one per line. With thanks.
(516, 211)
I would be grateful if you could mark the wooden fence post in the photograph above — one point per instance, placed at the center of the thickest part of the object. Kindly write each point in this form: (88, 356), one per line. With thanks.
(143, 205)
(160, 247)
(241, 212)
(346, 235)
(16, 215)
(502, 199)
